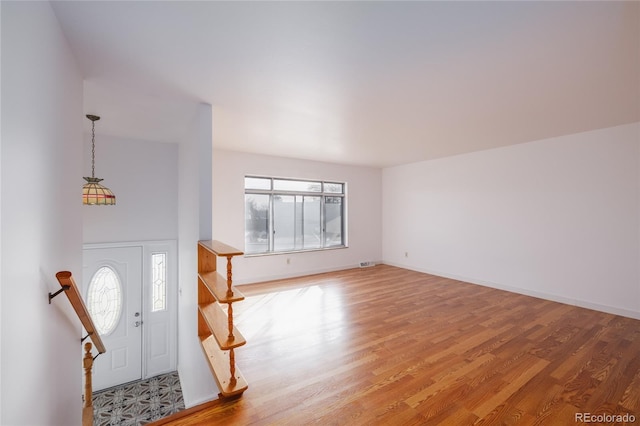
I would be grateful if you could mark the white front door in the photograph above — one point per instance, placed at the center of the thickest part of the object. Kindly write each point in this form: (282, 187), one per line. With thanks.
(113, 294)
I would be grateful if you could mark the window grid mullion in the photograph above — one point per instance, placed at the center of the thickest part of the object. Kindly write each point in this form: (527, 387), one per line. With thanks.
(295, 216)
(323, 225)
(271, 224)
(302, 221)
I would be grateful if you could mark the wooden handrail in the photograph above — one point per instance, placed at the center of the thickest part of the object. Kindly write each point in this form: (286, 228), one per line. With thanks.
(71, 290)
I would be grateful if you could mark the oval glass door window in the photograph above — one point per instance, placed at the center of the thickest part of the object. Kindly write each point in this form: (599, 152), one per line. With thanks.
(104, 300)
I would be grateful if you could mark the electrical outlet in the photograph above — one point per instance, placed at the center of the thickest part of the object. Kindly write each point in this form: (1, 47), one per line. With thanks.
(288, 260)
(406, 254)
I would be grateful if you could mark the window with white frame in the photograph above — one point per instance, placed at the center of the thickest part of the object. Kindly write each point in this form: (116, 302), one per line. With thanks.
(158, 282)
(285, 215)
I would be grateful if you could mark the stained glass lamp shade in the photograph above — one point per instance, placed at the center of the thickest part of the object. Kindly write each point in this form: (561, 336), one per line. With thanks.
(94, 193)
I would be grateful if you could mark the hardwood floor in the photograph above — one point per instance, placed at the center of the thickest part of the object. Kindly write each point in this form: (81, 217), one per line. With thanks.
(385, 345)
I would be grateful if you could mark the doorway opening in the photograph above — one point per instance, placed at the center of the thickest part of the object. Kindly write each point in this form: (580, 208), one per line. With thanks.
(131, 294)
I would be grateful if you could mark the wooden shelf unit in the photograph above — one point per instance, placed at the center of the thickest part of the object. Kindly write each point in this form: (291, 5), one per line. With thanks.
(218, 336)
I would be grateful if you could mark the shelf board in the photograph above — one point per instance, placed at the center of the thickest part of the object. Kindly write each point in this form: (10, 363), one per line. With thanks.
(217, 323)
(220, 367)
(220, 249)
(217, 284)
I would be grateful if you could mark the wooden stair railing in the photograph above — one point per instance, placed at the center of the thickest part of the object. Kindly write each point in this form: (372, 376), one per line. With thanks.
(218, 336)
(69, 287)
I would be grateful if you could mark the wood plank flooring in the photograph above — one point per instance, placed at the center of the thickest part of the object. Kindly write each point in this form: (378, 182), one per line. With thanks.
(384, 345)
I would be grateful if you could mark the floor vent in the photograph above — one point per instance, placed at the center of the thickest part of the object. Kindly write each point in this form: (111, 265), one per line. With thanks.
(367, 264)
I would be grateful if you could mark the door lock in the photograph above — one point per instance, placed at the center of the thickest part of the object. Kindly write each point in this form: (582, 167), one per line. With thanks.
(137, 323)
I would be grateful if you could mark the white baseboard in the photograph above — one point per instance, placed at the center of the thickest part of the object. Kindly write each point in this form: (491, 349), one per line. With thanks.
(200, 401)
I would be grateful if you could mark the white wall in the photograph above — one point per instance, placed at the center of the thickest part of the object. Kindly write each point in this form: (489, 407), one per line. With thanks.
(1, 399)
(194, 213)
(144, 177)
(41, 218)
(556, 218)
(363, 215)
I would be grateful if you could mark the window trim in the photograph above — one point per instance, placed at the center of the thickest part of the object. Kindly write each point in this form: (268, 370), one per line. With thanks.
(321, 194)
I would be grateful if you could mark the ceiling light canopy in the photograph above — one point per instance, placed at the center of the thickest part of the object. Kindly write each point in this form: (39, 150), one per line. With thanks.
(93, 193)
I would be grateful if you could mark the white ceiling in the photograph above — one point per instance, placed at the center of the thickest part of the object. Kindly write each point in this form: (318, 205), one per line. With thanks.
(368, 83)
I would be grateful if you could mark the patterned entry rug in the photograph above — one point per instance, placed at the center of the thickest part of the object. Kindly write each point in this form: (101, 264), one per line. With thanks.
(138, 403)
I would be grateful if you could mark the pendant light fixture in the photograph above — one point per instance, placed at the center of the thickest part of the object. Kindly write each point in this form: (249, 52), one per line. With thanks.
(92, 192)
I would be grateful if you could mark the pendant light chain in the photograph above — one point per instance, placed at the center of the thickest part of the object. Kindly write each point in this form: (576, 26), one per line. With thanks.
(93, 149)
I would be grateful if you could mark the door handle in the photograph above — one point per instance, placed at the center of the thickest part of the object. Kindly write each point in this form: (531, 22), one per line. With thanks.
(137, 323)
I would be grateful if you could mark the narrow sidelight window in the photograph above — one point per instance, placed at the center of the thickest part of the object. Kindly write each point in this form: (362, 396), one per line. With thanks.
(159, 282)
